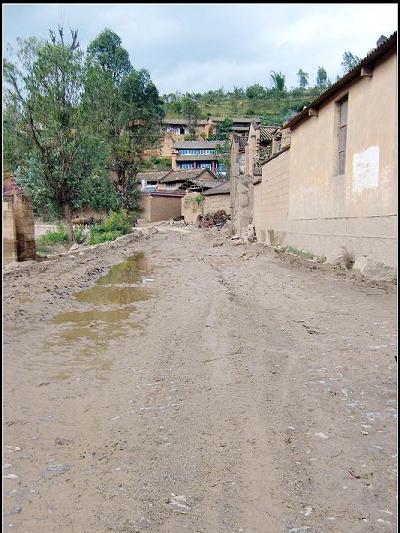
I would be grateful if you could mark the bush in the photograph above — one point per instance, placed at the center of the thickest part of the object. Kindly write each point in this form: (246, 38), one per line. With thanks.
(115, 225)
(54, 237)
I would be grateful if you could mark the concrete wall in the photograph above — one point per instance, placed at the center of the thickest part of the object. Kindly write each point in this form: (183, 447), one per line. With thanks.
(271, 201)
(358, 209)
(9, 234)
(157, 208)
(217, 202)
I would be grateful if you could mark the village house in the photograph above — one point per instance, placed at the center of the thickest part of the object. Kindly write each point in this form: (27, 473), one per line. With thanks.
(333, 190)
(200, 179)
(149, 180)
(197, 154)
(240, 126)
(161, 195)
(175, 129)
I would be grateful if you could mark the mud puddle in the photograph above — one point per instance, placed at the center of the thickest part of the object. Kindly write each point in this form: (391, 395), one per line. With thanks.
(85, 334)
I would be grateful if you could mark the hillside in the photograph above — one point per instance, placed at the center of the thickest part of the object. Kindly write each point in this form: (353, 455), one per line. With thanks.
(272, 106)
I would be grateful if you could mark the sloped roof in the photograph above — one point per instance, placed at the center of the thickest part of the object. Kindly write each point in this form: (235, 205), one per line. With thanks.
(267, 132)
(222, 188)
(387, 45)
(156, 175)
(197, 144)
(206, 184)
(237, 119)
(183, 121)
(184, 175)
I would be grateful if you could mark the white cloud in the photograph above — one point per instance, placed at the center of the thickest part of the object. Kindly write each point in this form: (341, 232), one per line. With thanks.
(197, 47)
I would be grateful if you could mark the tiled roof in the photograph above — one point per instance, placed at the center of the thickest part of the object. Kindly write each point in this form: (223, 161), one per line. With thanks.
(206, 184)
(237, 119)
(183, 121)
(197, 144)
(184, 175)
(152, 176)
(222, 188)
(267, 133)
(369, 59)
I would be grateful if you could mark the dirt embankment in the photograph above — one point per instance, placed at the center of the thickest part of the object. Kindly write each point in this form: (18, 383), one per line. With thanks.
(202, 387)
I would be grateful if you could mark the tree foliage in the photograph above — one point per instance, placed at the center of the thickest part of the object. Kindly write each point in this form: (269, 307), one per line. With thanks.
(349, 61)
(106, 52)
(45, 86)
(322, 77)
(75, 119)
(278, 80)
(303, 78)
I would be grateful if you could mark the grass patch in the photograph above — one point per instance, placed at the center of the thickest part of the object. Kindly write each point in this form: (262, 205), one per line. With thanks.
(114, 226)
(299, 252)
(53, 238)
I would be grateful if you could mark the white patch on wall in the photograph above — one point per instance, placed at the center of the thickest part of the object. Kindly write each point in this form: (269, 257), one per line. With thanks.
(366, 169)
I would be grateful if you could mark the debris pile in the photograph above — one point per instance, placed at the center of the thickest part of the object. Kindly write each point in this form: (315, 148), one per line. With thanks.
(217, 219)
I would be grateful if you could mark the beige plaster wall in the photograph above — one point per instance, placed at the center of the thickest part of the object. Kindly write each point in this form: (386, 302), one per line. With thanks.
(358, 209)
(271, 201)
(157, 208)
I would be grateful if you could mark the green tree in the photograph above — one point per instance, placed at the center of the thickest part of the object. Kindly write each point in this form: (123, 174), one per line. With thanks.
(278, 80)
(191, 111)
(255, 91)
(46, 84)
(322, 77)
(141, 113)
(126, 108)
(349, 61)
(303, 78)
(106, 52)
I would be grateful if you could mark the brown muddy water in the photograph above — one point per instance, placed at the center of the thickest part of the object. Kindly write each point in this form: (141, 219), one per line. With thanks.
(109, 304)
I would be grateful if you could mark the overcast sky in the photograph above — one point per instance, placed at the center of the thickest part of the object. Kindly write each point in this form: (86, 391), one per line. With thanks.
(198, 47)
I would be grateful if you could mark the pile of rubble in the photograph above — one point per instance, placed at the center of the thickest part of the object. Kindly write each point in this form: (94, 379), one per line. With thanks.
(217, 219)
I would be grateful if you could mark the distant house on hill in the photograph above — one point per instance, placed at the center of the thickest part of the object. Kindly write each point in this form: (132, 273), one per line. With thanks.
(188, 155)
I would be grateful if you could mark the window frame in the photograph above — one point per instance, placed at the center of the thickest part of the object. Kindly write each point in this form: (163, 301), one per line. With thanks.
(341, 132)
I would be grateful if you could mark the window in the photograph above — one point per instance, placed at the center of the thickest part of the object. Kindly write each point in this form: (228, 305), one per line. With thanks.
(343, 105)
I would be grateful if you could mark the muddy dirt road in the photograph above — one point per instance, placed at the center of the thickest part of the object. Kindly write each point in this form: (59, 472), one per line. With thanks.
(200, 387)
